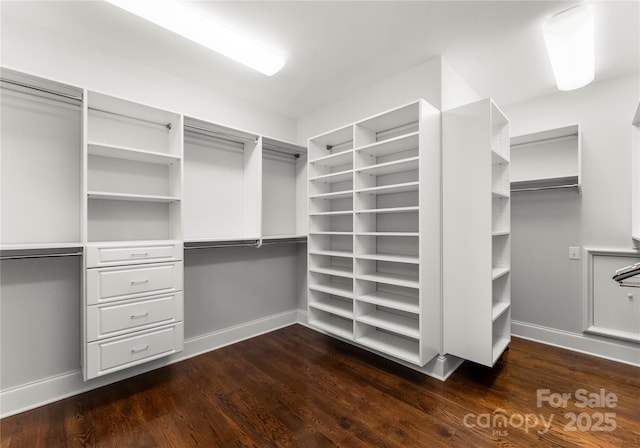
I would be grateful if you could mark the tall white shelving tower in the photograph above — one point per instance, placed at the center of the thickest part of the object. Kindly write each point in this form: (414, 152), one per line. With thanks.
(374, 232)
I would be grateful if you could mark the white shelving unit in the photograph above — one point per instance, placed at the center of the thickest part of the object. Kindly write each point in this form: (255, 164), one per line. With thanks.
(374, 233)
(476, 232)
(545, 160)
(40, 163)
(635, 179)
(132, 304)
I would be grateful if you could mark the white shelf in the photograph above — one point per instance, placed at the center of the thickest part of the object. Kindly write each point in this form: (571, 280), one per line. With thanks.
(390, 300)
(498, 272)
(499, 195)
(396, 346)
(388, 257)
(331, 233)
(337, 326)
(397, 166)
(337, 307)
(332, 253)
(134, 154)
(333, 195)
(340, 176)
(336, 289)
(337, 159)
(400, 234)
(389, 189)
(497, 158)
(401, 325)
(391, 279)
(498, 310)
(334, 213)
(392, 146)
(500, 233)
(130, 197)
(338, 271)
(390, 210)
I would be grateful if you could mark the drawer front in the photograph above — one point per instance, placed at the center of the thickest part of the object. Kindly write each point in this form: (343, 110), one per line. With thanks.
(98, 256)
(112, 355)
(120, 283)
(123, 317)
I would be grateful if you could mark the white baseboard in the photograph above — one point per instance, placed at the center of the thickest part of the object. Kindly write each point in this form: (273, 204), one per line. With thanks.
(612, 350)
(38, 393)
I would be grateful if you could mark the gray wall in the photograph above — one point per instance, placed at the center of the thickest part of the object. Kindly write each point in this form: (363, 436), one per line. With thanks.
(546, 285)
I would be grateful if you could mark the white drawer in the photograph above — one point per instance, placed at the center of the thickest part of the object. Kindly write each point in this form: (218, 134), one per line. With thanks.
(120, 283)
(112, 254)
(120, 353)
(118, 318)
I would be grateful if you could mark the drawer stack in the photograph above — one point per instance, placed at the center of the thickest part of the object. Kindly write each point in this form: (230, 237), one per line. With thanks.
(134, 304)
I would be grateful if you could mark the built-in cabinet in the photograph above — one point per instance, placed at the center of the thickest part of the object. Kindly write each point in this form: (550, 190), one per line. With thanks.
(546, 160)
(374, 232)
(133, 299)
(476, 232)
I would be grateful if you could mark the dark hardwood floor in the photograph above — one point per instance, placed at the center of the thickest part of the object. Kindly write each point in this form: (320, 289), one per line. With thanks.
(297, 387)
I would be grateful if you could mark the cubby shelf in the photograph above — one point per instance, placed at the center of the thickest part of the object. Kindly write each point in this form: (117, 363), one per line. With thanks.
(377, 217)
(396, 346)
(336, 289)
(496, 273)
(401, 325)
(390, 300)
(390, 257)
(406, 281)
(498, 309)
(337, 307)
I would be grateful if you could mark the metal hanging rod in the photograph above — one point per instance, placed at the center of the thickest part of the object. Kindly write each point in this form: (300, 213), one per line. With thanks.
(56, 255)
(554, 187)
(343, 145)
(223, 245)
(41, 89)
(403, 127)
(222, 135)
(278, 151)
(128, 117)
(559, 138)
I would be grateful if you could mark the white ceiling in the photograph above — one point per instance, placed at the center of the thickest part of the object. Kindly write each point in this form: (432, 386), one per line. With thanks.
(334, 47)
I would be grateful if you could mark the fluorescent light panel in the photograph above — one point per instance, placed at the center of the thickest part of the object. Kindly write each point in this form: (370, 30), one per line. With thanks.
(178, 18)
(569, 36)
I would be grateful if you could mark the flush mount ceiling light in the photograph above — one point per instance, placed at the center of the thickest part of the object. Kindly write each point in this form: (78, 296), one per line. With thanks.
(176, 17)
(569, 36)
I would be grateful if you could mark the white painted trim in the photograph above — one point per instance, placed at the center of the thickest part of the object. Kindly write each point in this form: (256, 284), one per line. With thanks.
(38, 393)
(590, 345)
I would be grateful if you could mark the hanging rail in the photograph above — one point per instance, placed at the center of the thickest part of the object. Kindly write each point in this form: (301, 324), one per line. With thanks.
(221, 245)
(52, 255)
(41, 89)
(221, 135)
(558, 138)
(129, 117)
(551, 187)
(279, 151)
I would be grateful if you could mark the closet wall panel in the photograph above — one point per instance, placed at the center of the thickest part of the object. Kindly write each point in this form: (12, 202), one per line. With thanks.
(40, 318)
(40, 167)
(233, 286)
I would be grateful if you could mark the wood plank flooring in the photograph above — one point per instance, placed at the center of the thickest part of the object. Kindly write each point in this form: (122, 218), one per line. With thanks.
(298, 388)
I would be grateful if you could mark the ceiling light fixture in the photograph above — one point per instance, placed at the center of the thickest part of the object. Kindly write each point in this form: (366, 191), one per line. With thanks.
(569, 36)
(178, 18)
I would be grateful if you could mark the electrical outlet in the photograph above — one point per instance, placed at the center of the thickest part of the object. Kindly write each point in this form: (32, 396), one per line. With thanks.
(574, 253)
